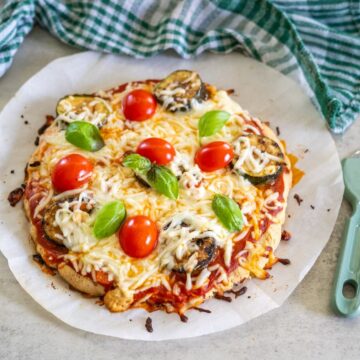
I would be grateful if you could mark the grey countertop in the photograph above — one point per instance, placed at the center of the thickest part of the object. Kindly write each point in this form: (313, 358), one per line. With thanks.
(303, 328)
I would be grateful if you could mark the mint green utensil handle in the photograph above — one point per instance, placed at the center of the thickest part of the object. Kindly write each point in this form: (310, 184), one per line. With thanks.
(349, 267)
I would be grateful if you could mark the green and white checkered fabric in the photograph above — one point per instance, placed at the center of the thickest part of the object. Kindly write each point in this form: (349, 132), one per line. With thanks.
(316, 42)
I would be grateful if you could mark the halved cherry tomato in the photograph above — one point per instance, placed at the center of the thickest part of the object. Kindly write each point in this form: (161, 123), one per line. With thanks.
(139, 105)
(138, 236)
(71, 172)
(156, 150)
(214, 156)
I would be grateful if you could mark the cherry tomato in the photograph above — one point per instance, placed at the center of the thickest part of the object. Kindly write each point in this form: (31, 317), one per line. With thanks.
(139, 105)
(138, 236)
(156, 150)
(214, 156)
(71, 172)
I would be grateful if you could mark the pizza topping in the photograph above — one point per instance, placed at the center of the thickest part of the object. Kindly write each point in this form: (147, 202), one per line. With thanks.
(159, 178)
(83, 108)
(109, 219)
(186, 245)
(228, 212)
(214, 156)
(58, 213)
(258, 158)
(157, 150)
(139, 105)
(180, 90)
(189, 176)
(84, 135)
(71, 172)
(138, 236)
(212, 122)
(136, 162)
(163, 181)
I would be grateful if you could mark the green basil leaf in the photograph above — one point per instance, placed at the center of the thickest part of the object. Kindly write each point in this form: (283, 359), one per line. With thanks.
(138, 163)
(228, 212)
(163, 181)
(109, 219)
(84, 135)
(212, 122)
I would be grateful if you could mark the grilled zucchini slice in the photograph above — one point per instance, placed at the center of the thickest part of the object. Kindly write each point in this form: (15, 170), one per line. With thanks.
(262, 151)
(51, 230)
(201, 249)
(204, 254)
(178, 90)
(78, 104)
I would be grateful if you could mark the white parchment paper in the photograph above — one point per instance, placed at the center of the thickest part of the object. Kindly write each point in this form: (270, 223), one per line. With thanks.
(265, 93)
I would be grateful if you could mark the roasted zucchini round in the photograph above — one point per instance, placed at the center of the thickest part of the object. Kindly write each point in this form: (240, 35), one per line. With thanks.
(258, 158)
(50, 228)
(199, 251)
(179, 90)
(80, 103)
(204, 248)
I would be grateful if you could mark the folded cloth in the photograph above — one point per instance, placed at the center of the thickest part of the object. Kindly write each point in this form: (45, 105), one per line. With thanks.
(316, 42)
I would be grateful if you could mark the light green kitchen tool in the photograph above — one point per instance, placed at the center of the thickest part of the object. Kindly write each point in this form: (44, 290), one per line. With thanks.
(346, 298)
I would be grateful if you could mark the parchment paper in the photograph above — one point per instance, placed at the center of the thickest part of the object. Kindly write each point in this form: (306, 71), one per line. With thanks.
(266, 94)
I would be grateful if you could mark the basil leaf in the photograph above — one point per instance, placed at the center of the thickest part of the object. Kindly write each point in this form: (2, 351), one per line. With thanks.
(163, 181)
(138, 163)
(228, 212)
(212, 122)
(109, 219)
(84, 135)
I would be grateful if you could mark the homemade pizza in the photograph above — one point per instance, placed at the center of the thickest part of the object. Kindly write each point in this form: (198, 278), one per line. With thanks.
(157, 194)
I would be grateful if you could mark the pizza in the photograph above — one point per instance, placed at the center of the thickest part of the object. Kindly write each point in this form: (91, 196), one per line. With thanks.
(157, 194)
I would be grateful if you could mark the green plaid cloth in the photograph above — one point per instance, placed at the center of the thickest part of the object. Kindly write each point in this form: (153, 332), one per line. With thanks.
(316, 42)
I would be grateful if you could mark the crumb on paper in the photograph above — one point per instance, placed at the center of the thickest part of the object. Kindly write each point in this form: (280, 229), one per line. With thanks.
(239, 292)
(298, 199)
(223, 297)
(284, 261)
(285, 235)
(148, 325)
(202, 310)
(328, 210)
(15, 196)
